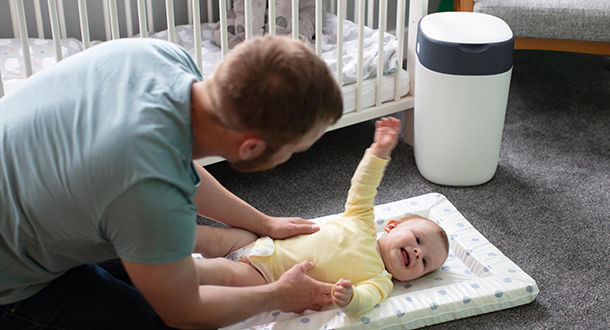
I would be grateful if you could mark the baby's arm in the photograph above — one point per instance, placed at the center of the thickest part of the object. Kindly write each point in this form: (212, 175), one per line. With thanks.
(369, 172)
(387, 130)
(359, 298)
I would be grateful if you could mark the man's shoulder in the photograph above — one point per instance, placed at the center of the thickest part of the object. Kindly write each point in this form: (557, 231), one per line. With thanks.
(143, 48)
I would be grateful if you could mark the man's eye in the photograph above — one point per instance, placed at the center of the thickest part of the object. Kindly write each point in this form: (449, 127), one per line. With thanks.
(424, 261)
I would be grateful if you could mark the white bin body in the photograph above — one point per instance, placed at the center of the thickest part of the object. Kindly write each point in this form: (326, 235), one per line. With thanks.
(462, 79)
(458, 125)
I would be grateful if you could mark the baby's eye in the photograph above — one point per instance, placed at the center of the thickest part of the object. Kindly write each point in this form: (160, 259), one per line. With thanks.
(417, 240)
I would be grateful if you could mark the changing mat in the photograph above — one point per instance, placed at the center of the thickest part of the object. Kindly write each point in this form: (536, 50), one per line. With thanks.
(476, 278)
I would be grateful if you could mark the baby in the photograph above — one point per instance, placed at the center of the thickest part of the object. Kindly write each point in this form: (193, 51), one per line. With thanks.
(236, 20)
(346, 250)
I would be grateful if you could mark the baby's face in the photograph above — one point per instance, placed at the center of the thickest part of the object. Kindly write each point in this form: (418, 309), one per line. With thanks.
(411, 249)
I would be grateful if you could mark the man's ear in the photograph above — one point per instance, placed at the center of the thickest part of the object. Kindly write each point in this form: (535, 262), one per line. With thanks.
(391, 225)
(251, 147)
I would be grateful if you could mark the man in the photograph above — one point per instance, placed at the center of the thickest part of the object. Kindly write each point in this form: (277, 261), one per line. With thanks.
(97, 164)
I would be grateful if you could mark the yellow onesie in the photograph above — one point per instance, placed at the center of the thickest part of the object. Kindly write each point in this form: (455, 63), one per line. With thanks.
(343, 248)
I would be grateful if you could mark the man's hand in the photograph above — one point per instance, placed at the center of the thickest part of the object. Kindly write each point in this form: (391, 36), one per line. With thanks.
(279, 228)
(298, 292)
(343, 293)
(387, 130)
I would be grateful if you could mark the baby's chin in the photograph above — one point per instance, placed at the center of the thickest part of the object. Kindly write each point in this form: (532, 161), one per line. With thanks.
(406, 279)
(403, 278)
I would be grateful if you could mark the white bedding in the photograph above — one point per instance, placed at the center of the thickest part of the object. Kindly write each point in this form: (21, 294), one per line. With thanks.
(476, 278)
(11, 64)
(43, 56)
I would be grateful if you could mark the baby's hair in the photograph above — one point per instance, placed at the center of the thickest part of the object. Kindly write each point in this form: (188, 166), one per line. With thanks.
(441, 232)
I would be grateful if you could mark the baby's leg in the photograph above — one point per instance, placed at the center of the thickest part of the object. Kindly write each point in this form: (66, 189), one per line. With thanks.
(221, 271)
(214, 242)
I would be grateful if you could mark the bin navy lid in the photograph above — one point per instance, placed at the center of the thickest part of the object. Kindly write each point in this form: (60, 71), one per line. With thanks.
(464, 43)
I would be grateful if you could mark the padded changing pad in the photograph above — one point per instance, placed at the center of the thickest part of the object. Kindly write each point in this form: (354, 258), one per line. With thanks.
(476, 278)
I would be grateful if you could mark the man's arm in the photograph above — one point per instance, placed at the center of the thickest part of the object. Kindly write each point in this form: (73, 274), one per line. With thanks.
(215, 202)
(173, 291)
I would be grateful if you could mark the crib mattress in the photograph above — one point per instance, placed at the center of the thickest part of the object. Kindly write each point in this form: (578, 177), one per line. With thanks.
(43, 56)
(476, 278)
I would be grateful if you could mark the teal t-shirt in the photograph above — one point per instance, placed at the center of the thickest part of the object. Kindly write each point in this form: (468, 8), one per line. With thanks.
(96, 164)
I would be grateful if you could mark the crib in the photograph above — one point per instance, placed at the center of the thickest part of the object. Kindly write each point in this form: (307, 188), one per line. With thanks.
(349, 36)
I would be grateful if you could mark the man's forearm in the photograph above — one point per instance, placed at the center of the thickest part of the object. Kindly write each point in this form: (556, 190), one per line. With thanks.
(215, 202)
(222, 306)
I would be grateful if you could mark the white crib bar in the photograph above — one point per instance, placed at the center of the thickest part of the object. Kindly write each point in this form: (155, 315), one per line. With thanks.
(224, 45)
(23, 32)
(319, 17)
(55, 29)
(62, 19)
(210, 12)
(38, 14)
(84, 23)
(128, 20)
(114, 19)
(150, 15)
(400, 35)
(340, 6)
(106, 19)
(295, 19)
(332, 6)
(142, 19)
(248, 18)
(14, 19)
(171, 23)
(382, 26)
(272, 15)
(1, 85)
(417, 9)
(370, 15)
(360, 55)
(189, 10)
(197, 34)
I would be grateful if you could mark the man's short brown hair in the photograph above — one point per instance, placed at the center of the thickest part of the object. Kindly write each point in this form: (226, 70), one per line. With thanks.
(276, 87)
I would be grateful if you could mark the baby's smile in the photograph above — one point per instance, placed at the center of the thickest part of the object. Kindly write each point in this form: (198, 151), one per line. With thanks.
(405, 257)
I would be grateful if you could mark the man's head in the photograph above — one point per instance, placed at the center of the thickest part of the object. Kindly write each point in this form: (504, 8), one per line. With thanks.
(413, 246)
(279, 91)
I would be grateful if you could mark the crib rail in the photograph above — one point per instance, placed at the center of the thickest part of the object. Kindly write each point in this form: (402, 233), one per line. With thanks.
(146, 21)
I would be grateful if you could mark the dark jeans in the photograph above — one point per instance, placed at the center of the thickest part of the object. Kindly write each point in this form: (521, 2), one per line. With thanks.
(96, 296)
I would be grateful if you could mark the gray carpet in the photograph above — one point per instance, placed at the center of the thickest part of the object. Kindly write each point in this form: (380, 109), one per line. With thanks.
(547, 207)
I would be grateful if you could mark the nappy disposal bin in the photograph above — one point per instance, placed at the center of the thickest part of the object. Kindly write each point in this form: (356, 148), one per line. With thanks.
(462, 77)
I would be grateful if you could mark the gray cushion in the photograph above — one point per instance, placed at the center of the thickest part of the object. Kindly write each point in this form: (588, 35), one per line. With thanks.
(553, 19)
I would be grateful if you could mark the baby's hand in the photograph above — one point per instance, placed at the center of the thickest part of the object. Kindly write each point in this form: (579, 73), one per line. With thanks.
(342, 293)
(387, 130)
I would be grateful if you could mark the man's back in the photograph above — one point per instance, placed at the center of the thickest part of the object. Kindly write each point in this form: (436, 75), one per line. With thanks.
(74, 139)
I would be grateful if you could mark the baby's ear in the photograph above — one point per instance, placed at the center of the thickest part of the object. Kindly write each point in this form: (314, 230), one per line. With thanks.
(390, 225)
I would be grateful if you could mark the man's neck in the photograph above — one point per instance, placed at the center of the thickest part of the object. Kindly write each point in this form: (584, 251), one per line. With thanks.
(200, 122)
(209, 138)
